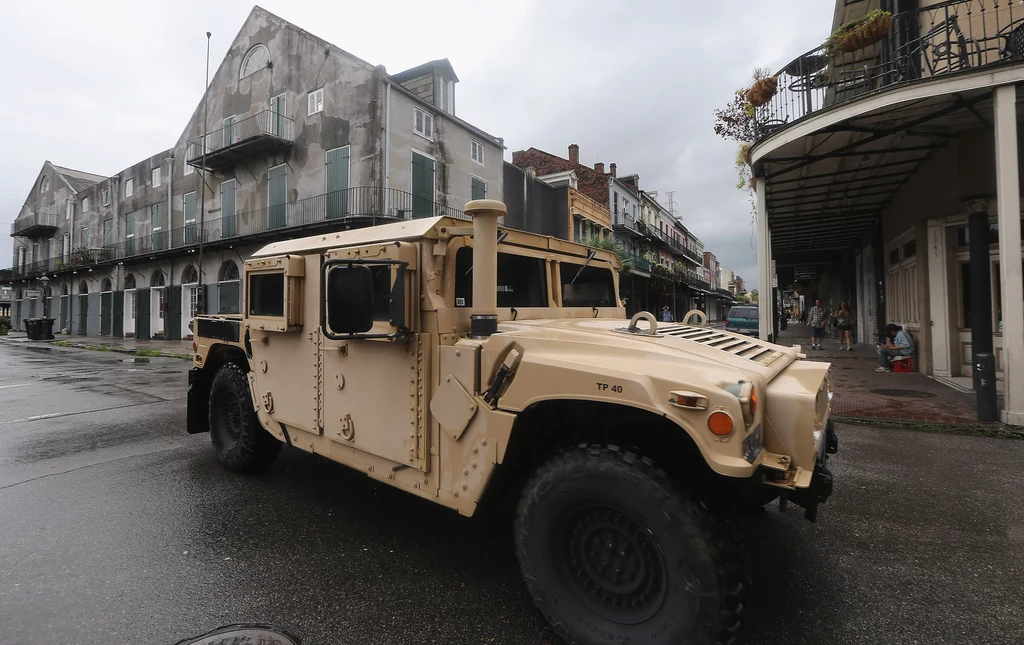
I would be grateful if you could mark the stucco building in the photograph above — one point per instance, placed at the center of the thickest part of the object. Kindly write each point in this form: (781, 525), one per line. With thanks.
(293, 135)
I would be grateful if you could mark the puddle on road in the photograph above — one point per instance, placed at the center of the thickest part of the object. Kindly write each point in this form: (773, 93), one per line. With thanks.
(135, 360)
(39, 349)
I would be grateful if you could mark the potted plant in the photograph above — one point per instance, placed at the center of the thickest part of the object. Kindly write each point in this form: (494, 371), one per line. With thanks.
(860, 33)
(763, 88)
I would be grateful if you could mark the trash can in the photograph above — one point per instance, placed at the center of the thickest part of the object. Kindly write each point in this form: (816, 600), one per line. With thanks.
(985, 386)
(31, 328)
(46, 329)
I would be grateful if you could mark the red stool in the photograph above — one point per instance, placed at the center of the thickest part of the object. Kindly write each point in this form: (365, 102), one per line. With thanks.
(903, 364)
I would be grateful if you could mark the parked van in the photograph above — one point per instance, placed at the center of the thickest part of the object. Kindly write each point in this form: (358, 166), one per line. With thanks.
(742, 320)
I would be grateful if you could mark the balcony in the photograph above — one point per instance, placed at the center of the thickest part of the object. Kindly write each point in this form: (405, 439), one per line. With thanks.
(352, 208)
(35, 224)
(263, 133)
(954, 37)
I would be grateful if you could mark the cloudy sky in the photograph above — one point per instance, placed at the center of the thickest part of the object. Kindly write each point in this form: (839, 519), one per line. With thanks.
(99, 86)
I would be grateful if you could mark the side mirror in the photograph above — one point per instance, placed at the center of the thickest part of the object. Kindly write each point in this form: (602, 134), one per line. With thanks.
(350, 299)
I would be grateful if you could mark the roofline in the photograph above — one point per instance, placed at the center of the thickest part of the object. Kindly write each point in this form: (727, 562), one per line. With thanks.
(436, 110)
(62, 177)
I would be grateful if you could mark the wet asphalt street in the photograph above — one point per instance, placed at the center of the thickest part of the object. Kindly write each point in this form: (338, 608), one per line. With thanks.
(118, 527)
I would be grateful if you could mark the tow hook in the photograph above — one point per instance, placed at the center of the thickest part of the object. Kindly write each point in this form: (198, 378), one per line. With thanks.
(831, 438)
(817, 493)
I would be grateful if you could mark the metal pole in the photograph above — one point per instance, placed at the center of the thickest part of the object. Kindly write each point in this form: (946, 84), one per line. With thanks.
(201, 296)
(982, 359)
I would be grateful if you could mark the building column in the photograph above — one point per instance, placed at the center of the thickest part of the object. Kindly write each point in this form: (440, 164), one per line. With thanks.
(938, 304)
(1008, 207)
(764, 263)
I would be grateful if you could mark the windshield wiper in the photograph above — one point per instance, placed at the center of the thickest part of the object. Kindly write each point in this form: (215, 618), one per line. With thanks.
(591, 254)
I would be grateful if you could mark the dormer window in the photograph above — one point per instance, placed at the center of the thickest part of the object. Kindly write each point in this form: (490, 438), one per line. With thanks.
(447, 102)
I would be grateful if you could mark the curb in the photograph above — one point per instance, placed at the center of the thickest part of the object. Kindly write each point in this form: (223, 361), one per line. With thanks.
(978, 429)
(152, 353)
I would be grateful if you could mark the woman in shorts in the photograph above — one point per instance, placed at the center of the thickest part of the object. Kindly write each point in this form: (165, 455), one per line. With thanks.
(844, 323)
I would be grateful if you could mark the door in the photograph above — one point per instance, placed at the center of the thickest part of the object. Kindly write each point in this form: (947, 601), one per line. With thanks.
(227, 209)
(106, 313)
(83, 313)
(118, 314)
(229, 131)
(277, 116)
(422, 185)
(189, 302)
(337, 182)
(130, 311)
(172, 317)
(191, 236)
(64, 312)
(158, 308)
(277, 189)
(143, 329)
(108, 233)
(129, 234)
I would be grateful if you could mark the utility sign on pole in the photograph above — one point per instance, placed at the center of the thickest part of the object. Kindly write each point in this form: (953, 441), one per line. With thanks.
(33, 293)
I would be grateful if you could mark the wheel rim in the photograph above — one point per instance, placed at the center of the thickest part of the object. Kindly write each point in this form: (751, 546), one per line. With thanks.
(613, 562)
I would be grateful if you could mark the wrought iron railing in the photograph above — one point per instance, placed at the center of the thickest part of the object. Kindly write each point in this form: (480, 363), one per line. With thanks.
(265, 123)
(368, 204)
(45, 217)
(943, 38)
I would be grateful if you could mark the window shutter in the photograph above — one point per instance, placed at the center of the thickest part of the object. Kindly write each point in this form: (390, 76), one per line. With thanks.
(478, 189)
(311, 102)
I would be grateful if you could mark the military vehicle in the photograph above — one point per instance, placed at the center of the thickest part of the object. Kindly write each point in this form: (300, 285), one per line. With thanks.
(469, 363)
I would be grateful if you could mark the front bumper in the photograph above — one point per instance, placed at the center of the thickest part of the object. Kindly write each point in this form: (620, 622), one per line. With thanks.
(822, 480)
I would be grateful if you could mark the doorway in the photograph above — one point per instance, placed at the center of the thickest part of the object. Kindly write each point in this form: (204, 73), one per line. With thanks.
(422, 185)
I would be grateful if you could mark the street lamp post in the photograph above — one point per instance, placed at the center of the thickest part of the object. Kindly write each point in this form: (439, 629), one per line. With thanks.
(46, 283)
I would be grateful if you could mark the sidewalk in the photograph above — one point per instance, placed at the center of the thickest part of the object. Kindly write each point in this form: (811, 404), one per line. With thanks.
(862, 393)
(166, 348)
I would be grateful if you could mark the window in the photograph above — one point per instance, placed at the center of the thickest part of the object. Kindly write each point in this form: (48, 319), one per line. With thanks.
(156, 177)
(521, 280)
(478, 188)
(129, 283)
(593, 287)
(129, 187)
(188, 170)
(447, 98)
(476, 151)
(279, 112)
(227, 288)
(266, 294)
(189, 275)
(83, 239)
(106, 197)
(105, 285)
(188, 205)
(255, 59)
(108, 232)
(423, 123)
(65, 248)
(315, 99)
(85, 205)
(615, 195)
(44, 184)
(70, 210)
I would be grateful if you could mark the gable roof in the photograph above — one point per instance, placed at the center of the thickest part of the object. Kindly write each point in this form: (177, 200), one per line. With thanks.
(591, 183)
(442, 64)
(77, 180)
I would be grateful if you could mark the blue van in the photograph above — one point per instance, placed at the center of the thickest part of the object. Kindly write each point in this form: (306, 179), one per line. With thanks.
(743, 320)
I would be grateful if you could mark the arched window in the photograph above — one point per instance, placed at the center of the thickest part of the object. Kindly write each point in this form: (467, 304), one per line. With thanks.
(83, 287)
(158, 279)
(189, 275)
(228, 288)
(228, 271)
(44, 183)
(105, 285)
(64, 290)
(255, 60)
(129, 281)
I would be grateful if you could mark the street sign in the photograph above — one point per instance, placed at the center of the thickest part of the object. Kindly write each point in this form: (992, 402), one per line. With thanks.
(32, 293)
(775, 280)
(805, 273)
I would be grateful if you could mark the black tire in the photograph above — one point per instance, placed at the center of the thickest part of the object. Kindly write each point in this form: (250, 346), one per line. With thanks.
(612, 552)
(241, 443)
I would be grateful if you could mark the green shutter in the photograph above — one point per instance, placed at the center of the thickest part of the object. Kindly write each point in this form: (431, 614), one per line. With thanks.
(479, 189)
(337, 182)
(157, 221)
(172, 319)
(142, 314)
(276, 193)
(119, 314)
(191, 231)
(108, 232)
(422, 186)
(227, 209)
(83, 313)
(106, 313)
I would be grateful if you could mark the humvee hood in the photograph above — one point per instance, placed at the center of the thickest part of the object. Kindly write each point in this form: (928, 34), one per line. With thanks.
(672, 340)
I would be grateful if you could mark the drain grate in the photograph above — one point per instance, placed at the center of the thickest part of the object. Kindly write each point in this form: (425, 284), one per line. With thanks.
(910, 394)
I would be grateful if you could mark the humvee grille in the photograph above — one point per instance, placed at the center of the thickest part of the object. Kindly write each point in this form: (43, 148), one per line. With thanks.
(747, 348)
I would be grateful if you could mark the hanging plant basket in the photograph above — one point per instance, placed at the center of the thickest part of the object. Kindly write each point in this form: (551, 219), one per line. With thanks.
(859, 34)
(762, 91)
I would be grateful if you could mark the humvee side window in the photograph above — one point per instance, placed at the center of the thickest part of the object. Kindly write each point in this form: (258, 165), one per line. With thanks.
(595, 286)
(381, 292)
(521, 280)
(266, 294)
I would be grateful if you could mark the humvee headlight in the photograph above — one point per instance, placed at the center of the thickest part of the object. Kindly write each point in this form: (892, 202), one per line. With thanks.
(720, 423)
(747, 395)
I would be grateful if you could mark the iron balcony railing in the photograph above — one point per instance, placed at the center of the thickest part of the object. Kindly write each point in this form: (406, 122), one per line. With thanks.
(46, 218)
(368, 206)
(262, 124)
(944, 38)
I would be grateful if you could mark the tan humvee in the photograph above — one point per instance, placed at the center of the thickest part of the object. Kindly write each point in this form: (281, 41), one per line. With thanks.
(466, 364)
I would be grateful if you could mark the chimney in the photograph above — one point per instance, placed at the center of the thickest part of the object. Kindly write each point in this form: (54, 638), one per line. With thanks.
(483, 318)
(599, 167)
(574, 154)
(612, 169)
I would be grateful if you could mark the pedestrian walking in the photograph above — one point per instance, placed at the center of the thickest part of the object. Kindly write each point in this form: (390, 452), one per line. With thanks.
(843, 318)
(901, 345)
(666, 314)
(816, 318)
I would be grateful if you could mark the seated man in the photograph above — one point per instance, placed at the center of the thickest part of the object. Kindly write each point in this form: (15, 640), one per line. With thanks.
(901, 345)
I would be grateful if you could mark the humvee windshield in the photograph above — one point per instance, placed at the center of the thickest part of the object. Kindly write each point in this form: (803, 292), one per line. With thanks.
(521, 280)
(593, 288)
